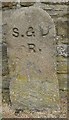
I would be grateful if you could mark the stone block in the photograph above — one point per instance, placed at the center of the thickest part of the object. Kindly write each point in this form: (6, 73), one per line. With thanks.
(62, 28)
(62, 67)
(8, 4)
(63, 80)
(5, 82)
(31, 60)
(5, 69)
(60, 58)
(27, 3)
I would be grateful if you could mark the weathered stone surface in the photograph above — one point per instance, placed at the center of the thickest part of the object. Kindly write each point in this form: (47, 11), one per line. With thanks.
(5, 82)
(32, 63)
(55, 1)
(62, 67)
(0, 66)
(62, 28)
(27, 2)
(5, 70)
(61, 59)
(63, 81)
(63, 50)
(8, 5)
(7, 1)
(6, 96)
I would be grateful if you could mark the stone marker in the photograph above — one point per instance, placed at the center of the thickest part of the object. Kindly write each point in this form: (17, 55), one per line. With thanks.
(32, 63)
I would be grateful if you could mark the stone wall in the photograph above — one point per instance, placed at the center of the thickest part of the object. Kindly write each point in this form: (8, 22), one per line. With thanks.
(58, 10)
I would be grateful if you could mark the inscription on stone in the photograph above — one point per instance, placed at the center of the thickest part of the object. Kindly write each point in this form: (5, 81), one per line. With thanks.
(30, 32)
(32, 63)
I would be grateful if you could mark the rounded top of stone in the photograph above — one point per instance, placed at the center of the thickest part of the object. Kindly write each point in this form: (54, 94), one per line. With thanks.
(26, 18)
(31, 11)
